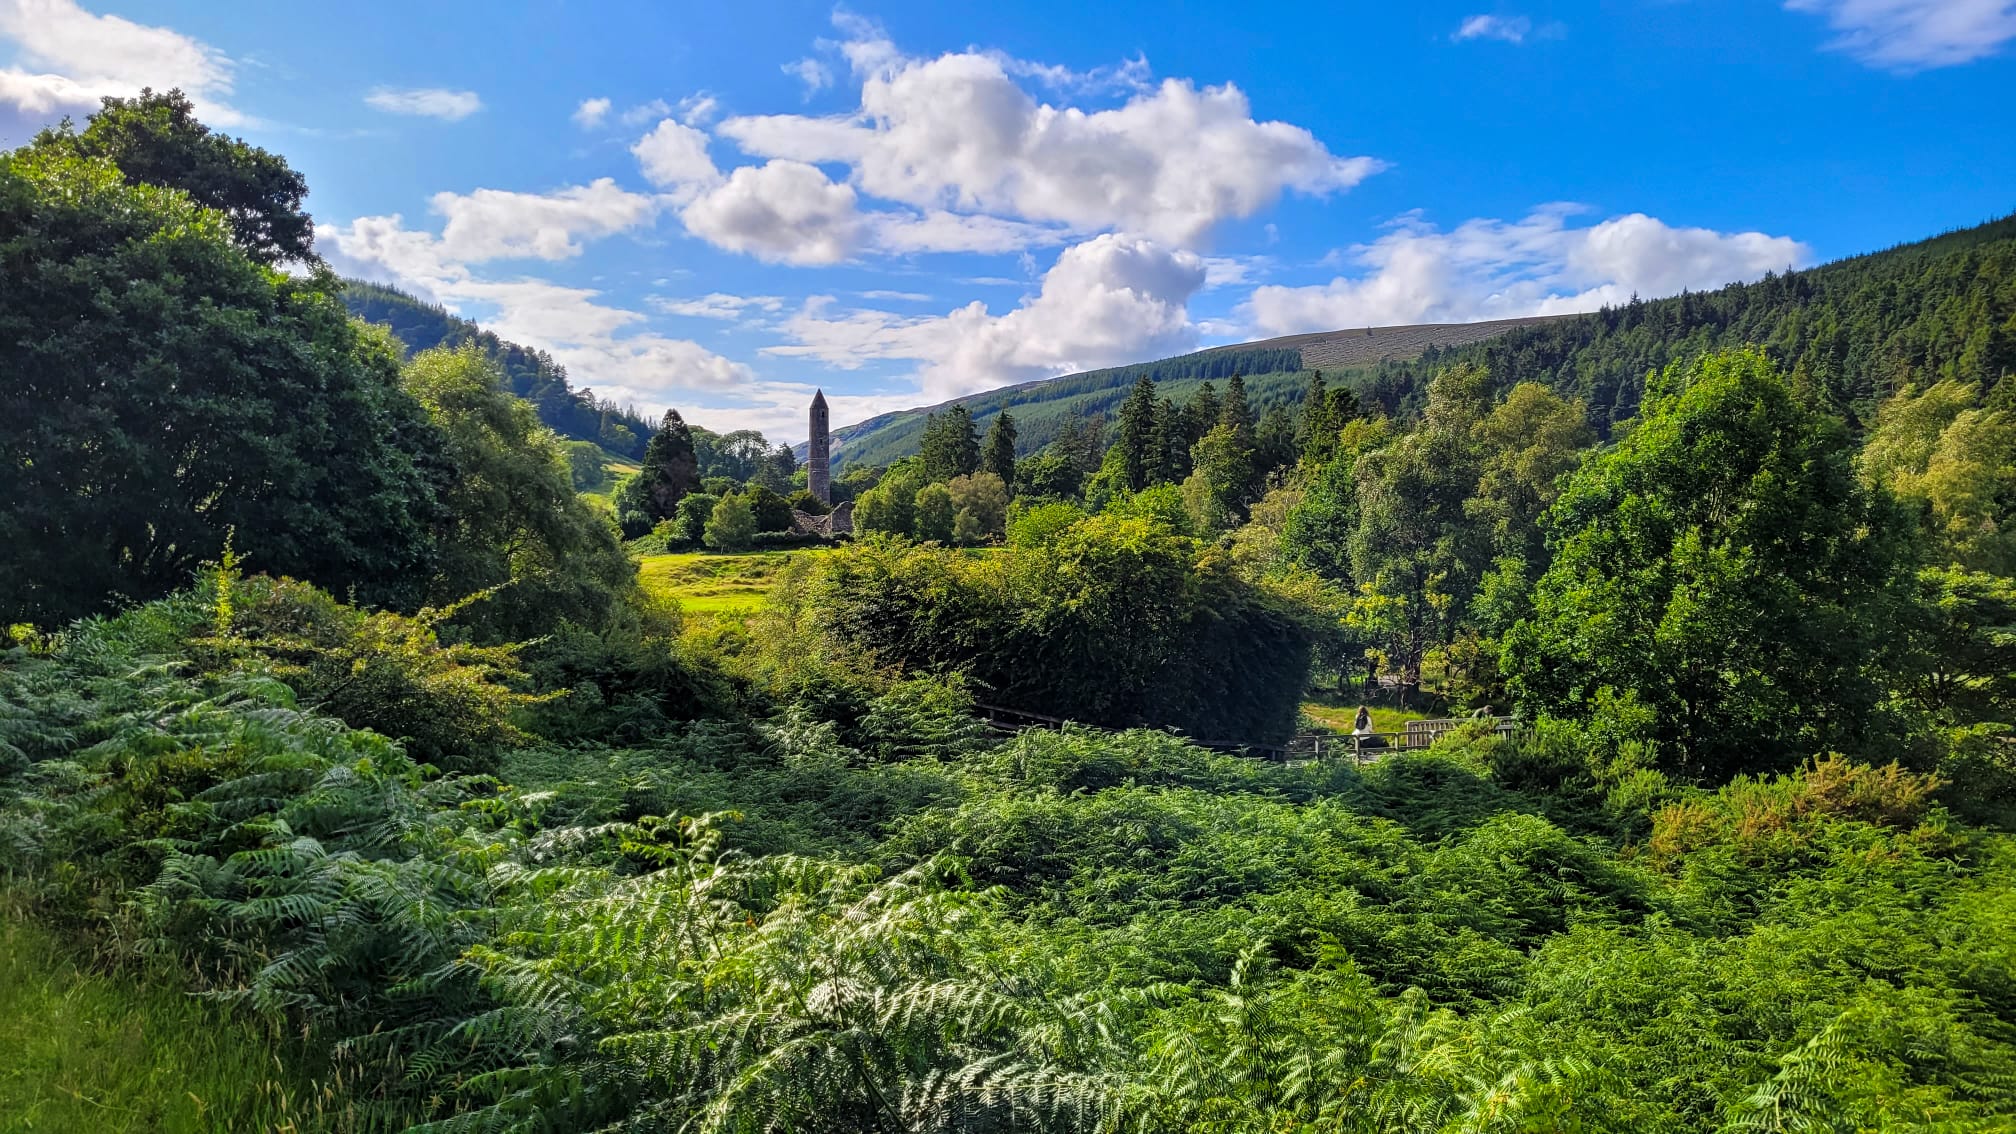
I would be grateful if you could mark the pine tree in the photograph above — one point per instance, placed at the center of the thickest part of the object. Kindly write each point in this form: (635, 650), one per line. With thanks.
(1236, 412)
(671, 470)
(1202, 412)
(1319, 429)
(998, 451)
(1172, 451)
(950, 446)
(1138, 458)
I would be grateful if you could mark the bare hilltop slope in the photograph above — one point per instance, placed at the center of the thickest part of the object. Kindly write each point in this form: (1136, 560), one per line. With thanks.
(1370, 345)
(1272, 368)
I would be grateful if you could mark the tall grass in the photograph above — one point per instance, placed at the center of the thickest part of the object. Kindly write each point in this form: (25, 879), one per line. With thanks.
(84, 1051)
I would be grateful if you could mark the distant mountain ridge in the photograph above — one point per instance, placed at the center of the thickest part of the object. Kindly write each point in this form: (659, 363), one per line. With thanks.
(1271, 368)
(531, 374)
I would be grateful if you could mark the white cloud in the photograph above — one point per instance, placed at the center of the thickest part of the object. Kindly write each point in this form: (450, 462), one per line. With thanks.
(426, 102)
(958, 133)
(70, 58)
(591, 112)
(815, 75)
(1915, 35)
(940, 231)
(904, 296)
(1489, 269)
(719, 305)
(494, 224)
(674, 157)
(697, 109)
(1510, 29)
(646, 111)
(1111, 299)
(600, 345)
(782, 212)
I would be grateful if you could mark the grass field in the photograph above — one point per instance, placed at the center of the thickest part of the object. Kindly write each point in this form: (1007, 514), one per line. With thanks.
(86, 1052)
(705, 583)
(1337, 715)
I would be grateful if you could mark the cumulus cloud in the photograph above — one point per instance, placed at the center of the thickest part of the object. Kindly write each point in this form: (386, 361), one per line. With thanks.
(959, 133)
(1490, 269)
(1110, 299)
(599, 344)
(591, 113)
(674, 157)
(783, 212)
(69, 58)
(426, 102)
(495, 224)
(1915, 35)
(1510, 29)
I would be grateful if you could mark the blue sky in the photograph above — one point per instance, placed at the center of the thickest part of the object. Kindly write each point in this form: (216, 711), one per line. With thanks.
(720, 207)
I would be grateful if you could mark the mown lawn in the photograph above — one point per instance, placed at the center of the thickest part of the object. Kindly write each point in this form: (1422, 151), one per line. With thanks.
(706, 583)
(87, 1052)
(1337, 714)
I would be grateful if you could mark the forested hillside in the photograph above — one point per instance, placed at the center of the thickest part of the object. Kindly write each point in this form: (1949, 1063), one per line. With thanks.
(529, 374)
(328, 703)
(1042, 409)
(1856, 330)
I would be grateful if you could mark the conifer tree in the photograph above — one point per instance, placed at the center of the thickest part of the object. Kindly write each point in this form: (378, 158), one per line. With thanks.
(1139, 461)
(671, 470)
(998, 451)
(1236, 411)
(951, 446)
(1319, 429)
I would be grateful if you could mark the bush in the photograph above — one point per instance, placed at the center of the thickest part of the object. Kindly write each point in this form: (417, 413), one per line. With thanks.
(1116, 622)
(449, 704)
(786, 541)
(731, 526)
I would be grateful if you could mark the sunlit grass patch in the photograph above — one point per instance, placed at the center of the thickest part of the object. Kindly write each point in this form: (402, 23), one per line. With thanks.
(704, 583)
(82, 1051)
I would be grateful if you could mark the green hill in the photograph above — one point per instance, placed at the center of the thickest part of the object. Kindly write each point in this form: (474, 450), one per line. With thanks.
(1856, 330)
(1272, 369)
(531, 374)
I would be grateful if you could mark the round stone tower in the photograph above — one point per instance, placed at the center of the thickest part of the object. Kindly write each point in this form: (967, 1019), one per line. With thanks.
(819, 453)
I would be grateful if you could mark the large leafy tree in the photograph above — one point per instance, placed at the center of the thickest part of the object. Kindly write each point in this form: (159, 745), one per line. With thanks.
(159, 387)
(155, 139)
(1954, 462)
(1721, 580)
(515, 522)
(1415, 551)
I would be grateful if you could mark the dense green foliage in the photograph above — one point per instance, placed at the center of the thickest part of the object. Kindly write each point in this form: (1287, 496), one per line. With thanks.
(1721, 581)
(912, 927)
(1110, 620)
(155, 139)
(159, 387)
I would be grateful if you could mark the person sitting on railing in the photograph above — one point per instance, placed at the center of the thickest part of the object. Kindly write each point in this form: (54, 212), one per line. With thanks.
(1362, 726)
